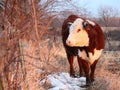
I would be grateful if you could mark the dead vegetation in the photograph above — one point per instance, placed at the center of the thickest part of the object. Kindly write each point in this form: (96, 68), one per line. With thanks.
(26, 56)
(107, 77)
(22, 20)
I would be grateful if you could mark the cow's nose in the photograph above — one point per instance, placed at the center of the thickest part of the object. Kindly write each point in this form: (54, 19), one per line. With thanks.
(68, 43)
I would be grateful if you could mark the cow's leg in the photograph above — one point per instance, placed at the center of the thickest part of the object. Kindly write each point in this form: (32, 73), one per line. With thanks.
(93, 66)
(70, 60)
(86, 68)
(80, 66)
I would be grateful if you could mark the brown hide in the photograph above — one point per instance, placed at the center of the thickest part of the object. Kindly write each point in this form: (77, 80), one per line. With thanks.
(96, 40)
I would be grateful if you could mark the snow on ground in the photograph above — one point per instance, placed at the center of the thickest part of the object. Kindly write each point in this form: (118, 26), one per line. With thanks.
(63, 81)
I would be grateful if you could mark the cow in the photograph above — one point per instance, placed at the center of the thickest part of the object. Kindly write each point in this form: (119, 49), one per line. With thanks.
(83, 38)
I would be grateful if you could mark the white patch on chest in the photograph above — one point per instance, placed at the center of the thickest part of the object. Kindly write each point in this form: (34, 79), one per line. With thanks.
(91, 22)
(92, 57)
(95, 56)
(83, 55)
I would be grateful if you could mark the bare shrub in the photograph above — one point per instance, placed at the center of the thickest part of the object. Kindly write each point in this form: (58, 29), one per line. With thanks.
(26, 57)
(108, 15)
(42, 60)
(26, 22)
(21, 19)
(105, 78)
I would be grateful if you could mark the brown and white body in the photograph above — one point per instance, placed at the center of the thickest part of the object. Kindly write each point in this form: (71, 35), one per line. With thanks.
(83, 38)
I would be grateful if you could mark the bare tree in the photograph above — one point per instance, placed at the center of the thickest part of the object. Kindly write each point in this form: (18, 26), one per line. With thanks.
(107, 14)
(75, 8)
(28, 19)
(108, 17)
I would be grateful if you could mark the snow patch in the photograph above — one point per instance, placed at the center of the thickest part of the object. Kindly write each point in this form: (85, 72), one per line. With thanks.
(63, 81)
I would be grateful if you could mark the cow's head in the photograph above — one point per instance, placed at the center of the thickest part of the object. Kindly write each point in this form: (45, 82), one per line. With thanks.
(78, 35)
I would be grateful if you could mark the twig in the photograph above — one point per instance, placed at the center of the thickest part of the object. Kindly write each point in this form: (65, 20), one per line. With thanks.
(35, 20)
(23, 63)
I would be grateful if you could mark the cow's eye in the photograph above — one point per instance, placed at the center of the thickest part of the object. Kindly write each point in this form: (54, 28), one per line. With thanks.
(78, 30)
(84, 24)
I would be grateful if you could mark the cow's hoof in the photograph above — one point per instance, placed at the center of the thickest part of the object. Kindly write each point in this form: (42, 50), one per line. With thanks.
(73, 76)
(81, 75)
(92, 80)
(85, 86)
(88, 82)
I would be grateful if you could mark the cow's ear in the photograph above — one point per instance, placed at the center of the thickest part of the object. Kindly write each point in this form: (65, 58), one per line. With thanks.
(85, 24)
(69, 23)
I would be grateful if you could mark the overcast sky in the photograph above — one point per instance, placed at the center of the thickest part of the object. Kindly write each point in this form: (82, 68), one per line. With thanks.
(93, 5)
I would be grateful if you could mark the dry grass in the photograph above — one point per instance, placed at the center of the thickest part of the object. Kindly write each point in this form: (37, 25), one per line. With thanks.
(107, 78)
(25, 61)
(51, 59)
(21, 20)
(42, 60)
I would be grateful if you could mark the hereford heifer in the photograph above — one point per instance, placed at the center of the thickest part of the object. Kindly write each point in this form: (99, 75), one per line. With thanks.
(83, 38)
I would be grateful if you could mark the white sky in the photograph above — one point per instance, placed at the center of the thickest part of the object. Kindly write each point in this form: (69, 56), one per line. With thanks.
(93, 5)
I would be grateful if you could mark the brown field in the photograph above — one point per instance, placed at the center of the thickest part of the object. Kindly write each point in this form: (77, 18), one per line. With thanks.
(53, 60)
(49, 57)
(31, 47)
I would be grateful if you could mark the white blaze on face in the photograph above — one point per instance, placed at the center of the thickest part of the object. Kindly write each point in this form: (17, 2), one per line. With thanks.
(92, 57)
(77, 35)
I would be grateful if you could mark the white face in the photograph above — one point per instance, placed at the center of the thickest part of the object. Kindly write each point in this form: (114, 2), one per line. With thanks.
(77, 35)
